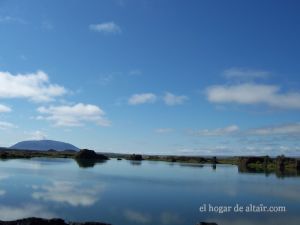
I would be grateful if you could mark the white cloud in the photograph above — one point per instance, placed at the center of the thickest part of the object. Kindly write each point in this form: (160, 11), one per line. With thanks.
(171, 99)
(76, 115)
(164, 130)
(4, 108)
(216, 132)
(245, 74)
(251, 93)
(68, 192)
(142, 98)
(137, 217)
(284, 129)
(32, 86)
(106, 28)
(2, 192)
(37, 135)
(5, 125)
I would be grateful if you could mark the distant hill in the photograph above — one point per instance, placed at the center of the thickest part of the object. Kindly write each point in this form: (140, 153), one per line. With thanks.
(44, 145)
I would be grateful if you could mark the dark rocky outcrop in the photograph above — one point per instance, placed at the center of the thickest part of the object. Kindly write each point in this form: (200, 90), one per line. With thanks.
(88, 158)
(298, 165)
(282, 166)
(214, 160)
(3, 155)
(136, 157)
(204, 223)
(40, 221)
(280, 163)
(90, 155)
(245, 161)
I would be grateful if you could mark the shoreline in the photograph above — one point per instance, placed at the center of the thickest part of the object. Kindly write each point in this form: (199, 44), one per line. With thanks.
(86, 158)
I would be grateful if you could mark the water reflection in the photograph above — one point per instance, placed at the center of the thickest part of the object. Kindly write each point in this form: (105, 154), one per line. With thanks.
(197, 165)
(164, 218)
(24, 211)
(86, 163)
(277, 172)
(67, 192)
(135, 162)
(137, 217)
(168, 218)
(159, 193)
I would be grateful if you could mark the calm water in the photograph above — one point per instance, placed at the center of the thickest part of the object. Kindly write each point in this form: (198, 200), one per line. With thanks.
(122, 192)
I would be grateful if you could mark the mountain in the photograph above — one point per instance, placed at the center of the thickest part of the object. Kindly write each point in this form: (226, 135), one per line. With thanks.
(44, 145)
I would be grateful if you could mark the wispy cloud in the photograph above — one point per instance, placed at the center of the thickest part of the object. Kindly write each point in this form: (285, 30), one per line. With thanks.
(106, 28)
(252, 93)
(135, 72)
(245, 74)
(105, 79)
(164, 130)
(6, 125)
(11, 19)
(4, 108)
(32, 86)
(171, 99)
(232, 129)
(142, 98)
(47, 25)
(75, 115)
(283, 129)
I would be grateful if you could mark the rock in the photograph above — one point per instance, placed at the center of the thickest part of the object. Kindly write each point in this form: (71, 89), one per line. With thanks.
(298, 165)
(135, 157)
(214, 160)
(203, 223)
(3, 155)
(90, 155)
(280, 162)
(244, 161)
(266, 161)
(119, 159)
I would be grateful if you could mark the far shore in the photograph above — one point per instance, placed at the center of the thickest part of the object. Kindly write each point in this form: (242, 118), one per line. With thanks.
(86, 158)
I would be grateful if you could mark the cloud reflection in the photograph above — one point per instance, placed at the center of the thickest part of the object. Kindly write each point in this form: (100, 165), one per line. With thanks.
(137, 217)
(67, 192)
(170, 218)
(13, 213)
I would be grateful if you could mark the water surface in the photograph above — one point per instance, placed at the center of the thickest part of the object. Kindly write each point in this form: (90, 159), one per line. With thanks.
(130, 193)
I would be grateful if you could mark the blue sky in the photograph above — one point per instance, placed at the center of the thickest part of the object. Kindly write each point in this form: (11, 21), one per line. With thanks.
(159, 76)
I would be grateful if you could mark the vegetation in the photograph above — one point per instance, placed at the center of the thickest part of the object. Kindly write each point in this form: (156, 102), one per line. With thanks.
(280, 165)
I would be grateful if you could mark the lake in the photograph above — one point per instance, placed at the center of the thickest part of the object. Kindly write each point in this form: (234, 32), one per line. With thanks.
(130, 193)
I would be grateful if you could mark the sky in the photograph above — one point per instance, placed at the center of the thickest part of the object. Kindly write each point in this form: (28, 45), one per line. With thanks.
(197, 77)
